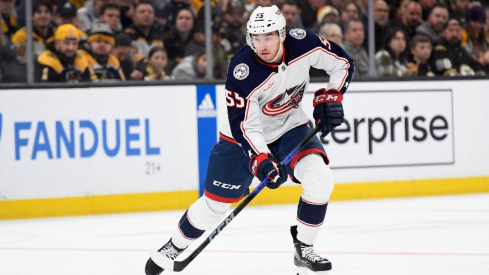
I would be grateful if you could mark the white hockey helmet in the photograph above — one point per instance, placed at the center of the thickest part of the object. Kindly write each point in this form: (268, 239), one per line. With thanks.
(265, 20)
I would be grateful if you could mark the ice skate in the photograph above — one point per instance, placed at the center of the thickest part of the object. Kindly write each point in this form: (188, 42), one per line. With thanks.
(167, 252)
(306, 259)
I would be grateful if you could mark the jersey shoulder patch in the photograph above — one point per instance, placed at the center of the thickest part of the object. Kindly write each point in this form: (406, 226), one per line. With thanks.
(298, 33)
(300, 42)
(241, 71)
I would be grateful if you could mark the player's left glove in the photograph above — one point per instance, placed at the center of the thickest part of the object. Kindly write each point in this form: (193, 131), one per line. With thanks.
(265, 166)
(328, 110)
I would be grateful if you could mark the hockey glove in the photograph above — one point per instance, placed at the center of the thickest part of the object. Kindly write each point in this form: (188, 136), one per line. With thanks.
(328, 110)
(265, 165)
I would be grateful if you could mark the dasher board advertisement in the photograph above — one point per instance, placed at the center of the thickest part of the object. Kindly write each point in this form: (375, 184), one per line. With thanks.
(392, 128)
(95, 141)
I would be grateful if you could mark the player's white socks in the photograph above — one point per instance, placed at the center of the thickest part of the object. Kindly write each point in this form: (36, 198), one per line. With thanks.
(307, 234)
(202, 215)
(317, 185)
(179, 240)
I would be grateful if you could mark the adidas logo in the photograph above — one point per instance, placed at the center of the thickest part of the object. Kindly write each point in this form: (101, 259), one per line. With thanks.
(206, 103)
(206, 108)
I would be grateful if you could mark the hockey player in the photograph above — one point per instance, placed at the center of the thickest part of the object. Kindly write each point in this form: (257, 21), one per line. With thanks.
(265, 84)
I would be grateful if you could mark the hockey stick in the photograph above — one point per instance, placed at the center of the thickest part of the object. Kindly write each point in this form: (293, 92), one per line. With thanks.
(177, 266)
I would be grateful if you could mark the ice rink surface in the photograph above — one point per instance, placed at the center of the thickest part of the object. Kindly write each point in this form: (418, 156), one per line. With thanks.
(413, 236)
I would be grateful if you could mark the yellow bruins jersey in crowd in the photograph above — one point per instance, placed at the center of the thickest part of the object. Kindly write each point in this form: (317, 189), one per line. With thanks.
(149, 73)
(53, 70)
(9, 26)
(449, 60)
(140, 43)
(39, 45)
(109, 71)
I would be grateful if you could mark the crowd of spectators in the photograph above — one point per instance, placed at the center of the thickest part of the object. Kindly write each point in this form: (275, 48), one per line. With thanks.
(109, 40)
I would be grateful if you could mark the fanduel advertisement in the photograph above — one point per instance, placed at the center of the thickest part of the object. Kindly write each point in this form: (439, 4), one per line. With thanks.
(49, 140)
(98, 140)
(392, 128)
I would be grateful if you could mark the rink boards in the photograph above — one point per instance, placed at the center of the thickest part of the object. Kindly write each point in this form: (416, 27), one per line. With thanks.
(98, 150)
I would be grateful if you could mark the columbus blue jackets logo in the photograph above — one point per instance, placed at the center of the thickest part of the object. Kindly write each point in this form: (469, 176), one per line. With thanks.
(298, 33)
(241, 71)
(286, 101)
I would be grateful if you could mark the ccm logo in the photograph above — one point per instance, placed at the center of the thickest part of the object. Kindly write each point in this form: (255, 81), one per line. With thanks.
(320, 98)
(225, 185)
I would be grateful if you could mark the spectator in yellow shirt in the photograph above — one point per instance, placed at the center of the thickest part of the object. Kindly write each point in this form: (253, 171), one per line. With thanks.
(60, 62)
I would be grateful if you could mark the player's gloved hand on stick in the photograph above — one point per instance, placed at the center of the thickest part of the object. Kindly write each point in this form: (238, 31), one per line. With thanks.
(265, 165)
(328, 110)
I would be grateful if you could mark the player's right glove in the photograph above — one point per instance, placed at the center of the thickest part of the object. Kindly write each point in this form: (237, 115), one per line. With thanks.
(265, 165)
(328, 110)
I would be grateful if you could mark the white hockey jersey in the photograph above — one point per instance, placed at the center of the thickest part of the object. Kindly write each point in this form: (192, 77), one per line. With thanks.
(264, 100)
